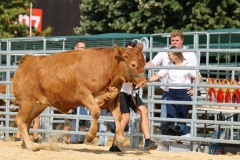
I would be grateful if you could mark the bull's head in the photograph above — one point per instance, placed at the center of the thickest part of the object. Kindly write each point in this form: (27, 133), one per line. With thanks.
(133, 60)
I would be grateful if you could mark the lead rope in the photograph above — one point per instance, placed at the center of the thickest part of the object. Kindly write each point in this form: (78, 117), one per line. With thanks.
(133, 99)
(137, 110)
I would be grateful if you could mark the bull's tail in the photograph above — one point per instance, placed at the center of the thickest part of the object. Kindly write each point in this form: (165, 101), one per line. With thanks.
(23, 58)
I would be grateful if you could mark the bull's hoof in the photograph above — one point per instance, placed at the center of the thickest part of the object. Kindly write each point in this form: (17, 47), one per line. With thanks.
(88, 139)
(114, 149)
(120, 144)
(119, 141)
(35, 148)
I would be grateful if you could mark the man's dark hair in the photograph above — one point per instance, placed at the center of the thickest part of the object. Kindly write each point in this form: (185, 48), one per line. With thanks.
(132, 44)
(80, 41)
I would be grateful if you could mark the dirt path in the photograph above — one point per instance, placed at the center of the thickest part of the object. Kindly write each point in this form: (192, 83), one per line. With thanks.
(56, 151)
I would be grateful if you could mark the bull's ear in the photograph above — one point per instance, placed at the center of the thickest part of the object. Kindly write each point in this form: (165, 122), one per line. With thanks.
(139, 47)
(115, 47)
(121, 51)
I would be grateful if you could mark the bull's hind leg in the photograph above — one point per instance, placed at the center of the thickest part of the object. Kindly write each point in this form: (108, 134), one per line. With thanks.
(95, 112)
(27, 112)
(23, 122)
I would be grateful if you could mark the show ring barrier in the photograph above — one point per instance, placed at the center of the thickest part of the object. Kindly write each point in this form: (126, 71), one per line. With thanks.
(218, 96)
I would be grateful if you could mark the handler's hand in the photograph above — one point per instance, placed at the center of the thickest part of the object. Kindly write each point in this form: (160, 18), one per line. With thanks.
(190, 92)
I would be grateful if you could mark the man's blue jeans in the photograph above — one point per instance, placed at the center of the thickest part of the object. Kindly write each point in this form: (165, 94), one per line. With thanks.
(164, 113)
(102, 128)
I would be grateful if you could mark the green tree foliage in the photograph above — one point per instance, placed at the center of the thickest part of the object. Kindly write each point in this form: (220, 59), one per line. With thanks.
(210, 14)
(150, 16)
(9, 25)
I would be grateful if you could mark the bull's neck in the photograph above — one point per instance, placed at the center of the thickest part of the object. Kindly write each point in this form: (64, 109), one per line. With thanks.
(123, 73)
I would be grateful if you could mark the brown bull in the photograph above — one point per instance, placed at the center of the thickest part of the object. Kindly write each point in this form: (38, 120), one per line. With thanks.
(91, 78)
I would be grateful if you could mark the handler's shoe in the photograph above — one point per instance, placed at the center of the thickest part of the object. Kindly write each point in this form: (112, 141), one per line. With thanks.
(114, 149)
(182, 141)
(150, 145)
(36, 141)
(174, 130)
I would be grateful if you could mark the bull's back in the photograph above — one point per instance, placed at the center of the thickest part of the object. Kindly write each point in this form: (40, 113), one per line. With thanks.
(90, 69)
(61, 76)
(84, 65)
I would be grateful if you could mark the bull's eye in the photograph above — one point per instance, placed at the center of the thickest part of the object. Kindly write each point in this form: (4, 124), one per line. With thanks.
(133, 64)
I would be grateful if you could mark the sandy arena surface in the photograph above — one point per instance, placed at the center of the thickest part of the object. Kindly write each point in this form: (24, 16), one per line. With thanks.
(57, 151)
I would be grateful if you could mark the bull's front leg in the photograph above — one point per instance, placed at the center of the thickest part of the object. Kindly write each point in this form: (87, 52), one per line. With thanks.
(119, 131)
(106, 98)
(95, 112)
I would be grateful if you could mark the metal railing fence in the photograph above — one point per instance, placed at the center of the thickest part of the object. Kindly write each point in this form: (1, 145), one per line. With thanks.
(49, 118)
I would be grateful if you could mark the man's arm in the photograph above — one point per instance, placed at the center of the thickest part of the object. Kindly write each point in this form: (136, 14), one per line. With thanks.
(149, 64)
(158, 59)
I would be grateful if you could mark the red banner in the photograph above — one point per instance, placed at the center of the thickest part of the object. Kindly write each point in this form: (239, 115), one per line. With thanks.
(36, 18)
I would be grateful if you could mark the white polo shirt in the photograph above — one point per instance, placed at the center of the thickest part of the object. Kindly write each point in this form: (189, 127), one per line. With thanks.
(161, 59)
(127, 88)
(178, 76)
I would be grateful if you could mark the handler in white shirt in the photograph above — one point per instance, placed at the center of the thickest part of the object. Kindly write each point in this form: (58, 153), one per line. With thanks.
(127, 102)
(177, 93)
